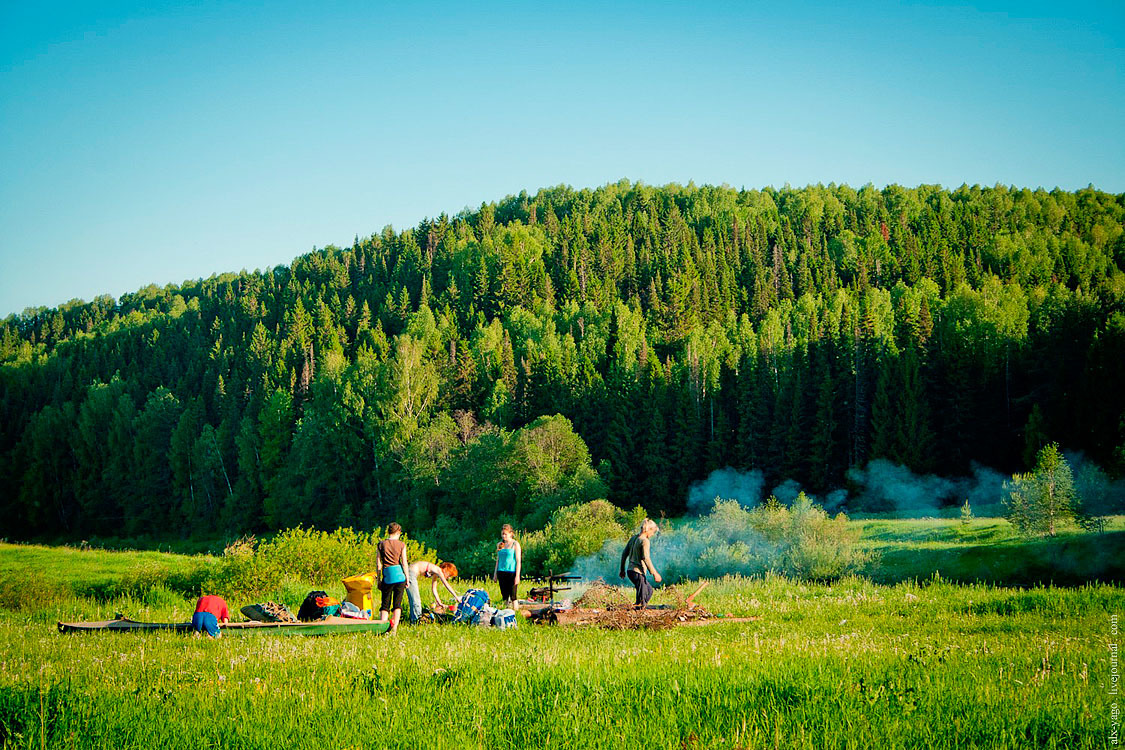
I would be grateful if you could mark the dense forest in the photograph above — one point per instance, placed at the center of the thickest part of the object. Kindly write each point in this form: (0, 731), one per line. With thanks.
(556, 348)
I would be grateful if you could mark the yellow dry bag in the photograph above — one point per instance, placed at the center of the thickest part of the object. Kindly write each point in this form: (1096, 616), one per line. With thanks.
(359, 590)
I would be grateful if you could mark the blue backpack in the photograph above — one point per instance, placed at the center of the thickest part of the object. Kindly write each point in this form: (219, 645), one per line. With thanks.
(469, 607)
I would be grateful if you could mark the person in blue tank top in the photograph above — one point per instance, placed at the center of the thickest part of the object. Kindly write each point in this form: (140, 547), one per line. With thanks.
(392, 565)
(509, 562)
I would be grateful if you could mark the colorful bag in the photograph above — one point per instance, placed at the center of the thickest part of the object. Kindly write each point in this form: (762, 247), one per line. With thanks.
(347, 609)
(318, 605)
(329, 605)
(504, 619)
(468, 610)
(359, 590)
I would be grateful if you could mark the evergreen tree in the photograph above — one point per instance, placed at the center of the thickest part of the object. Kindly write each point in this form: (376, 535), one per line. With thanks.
(1041, 501)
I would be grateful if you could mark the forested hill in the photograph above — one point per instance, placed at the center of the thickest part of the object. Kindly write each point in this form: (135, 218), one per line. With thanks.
(678, 329)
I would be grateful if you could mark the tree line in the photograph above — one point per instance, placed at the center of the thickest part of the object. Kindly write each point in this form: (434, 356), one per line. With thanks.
(556, 348)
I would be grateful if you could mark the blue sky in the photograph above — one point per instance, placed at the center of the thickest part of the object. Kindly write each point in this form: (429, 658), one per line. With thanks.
(160, 142)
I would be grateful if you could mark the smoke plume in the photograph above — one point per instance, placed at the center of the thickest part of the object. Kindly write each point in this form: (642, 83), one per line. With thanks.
(718, 537)
(729, 484)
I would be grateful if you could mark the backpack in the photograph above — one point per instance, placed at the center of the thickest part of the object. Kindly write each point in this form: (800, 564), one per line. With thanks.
(504, 619)
(468, 610)
(317, 606)
(268, 612)
(484, 617)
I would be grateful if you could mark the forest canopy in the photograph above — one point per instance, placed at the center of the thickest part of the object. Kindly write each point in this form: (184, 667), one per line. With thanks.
(553, 349)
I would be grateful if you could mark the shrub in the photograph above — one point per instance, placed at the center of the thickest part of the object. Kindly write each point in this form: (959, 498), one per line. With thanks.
(249, 567)
(821, 548)
(800, 540)
(241, 571)
(25, 590)
(576, 531)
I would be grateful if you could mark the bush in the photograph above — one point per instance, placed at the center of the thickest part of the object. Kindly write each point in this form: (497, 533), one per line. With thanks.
(810, 545)
(576, 531)
(249, 567)
(26, 590)
(800, 541)
(241, 571)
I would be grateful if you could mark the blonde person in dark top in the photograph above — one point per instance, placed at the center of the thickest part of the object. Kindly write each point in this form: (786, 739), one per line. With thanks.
(635, 561)
(393, 566)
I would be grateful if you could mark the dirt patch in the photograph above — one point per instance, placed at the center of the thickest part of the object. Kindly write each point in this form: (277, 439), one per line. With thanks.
(612, 608)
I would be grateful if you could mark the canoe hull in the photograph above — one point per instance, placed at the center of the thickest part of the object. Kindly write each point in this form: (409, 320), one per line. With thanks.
(327, 626)
(121, 625)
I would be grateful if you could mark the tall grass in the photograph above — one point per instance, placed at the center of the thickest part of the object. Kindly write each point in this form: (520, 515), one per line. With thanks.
(853, 664)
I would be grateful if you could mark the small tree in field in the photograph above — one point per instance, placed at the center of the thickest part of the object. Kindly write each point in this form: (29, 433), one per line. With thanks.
(1043, 499)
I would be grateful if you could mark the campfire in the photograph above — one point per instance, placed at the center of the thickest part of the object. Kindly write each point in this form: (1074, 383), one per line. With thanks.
(611, 608)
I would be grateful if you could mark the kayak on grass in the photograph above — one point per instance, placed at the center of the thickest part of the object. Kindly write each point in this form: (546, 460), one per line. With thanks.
(326, 626)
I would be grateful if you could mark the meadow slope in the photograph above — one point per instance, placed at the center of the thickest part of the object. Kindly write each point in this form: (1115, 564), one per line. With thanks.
(853, 664)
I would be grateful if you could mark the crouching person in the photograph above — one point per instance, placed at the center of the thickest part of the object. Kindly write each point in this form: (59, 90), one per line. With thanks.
(209, 612)
(635, 561)
(436, 573)
(392, 564)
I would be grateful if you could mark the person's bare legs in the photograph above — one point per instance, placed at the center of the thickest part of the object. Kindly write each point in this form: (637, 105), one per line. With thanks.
(394, 620)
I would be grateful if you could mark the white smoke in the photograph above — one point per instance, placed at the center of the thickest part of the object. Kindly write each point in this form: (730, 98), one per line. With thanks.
(711, 545)
(787, 491)
(1098, 493)
(886, 486)
(713, 540)
(729, 484)
(879, 486)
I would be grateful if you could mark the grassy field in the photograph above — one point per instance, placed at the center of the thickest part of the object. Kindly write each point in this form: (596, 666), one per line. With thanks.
(853, 664)
(988, 550)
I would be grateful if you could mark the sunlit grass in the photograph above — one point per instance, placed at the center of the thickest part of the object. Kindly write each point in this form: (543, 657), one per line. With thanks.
(852, 664)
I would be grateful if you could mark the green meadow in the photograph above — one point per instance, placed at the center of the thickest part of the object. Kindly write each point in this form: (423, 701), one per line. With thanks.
(883, 660)
(988, 550)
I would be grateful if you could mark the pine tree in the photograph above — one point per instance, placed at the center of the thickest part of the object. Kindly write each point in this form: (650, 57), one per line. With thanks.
(1041, 501)
(885, 409)
(914, 436)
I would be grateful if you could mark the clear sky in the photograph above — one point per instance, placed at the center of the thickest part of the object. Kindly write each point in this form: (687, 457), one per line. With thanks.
(155, 142)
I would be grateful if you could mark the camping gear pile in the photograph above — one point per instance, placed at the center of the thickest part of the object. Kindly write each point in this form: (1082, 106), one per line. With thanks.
(358, 589)
(473, 609)
(317, 606)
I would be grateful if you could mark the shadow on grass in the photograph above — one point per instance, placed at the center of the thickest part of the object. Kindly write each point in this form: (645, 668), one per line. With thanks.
(1066, 561)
